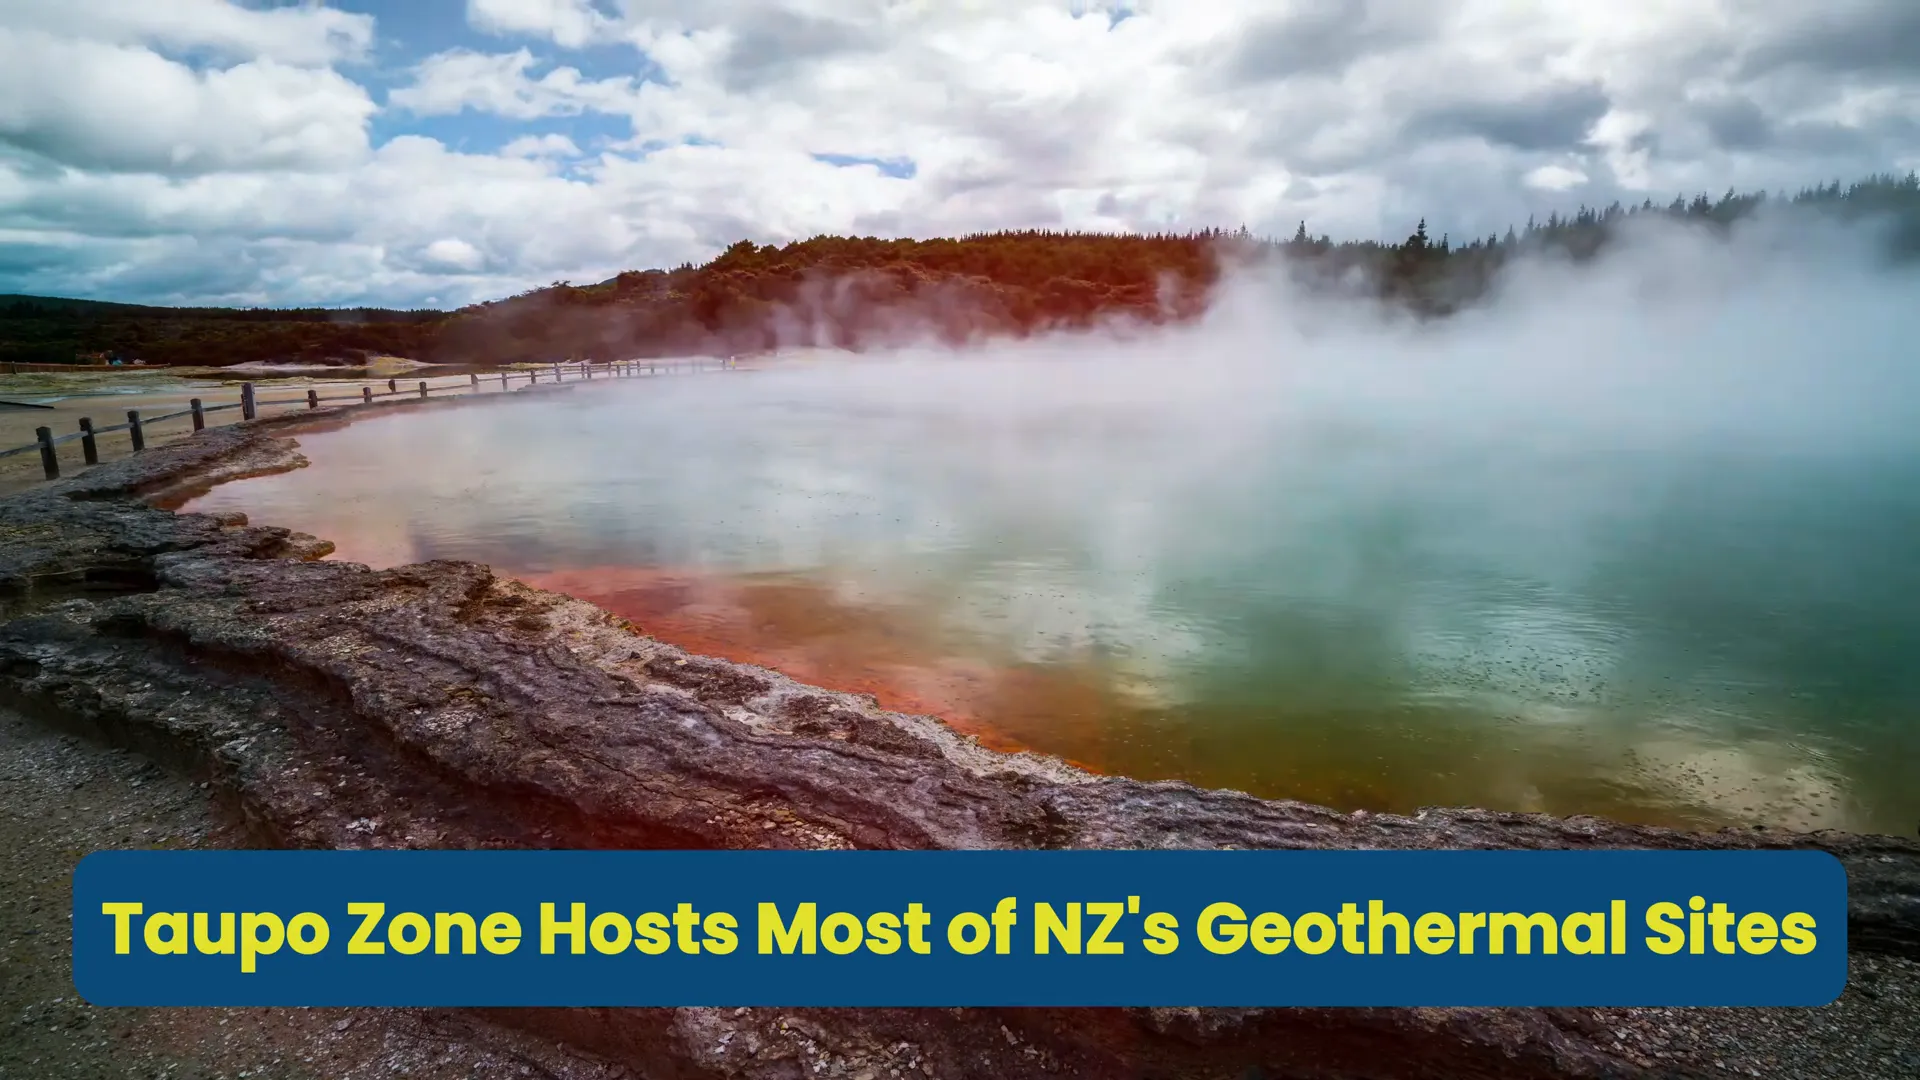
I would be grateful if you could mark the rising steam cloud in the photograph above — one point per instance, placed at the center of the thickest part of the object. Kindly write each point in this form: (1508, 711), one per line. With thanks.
(1640, 523)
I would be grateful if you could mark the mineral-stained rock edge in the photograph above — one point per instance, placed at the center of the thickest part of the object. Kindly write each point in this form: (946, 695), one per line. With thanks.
(437, 705)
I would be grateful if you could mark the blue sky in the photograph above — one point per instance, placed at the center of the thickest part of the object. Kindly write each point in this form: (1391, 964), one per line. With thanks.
(445, 151)
(411, 30)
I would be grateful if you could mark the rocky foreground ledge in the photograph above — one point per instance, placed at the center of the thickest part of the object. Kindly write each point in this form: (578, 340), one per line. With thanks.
(437, 705)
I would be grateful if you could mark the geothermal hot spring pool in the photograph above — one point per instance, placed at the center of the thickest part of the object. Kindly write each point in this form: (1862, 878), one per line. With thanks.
(1363, 591)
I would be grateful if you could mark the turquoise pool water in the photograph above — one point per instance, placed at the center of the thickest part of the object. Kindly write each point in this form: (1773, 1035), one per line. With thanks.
(1372, 600)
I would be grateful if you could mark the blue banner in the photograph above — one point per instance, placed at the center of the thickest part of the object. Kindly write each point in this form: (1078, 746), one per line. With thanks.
(980, 928)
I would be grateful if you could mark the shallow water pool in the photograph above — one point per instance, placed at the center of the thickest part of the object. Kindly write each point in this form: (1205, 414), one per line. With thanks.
(1337, 605)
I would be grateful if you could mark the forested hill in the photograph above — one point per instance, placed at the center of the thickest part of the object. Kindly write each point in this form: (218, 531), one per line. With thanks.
(856, 292)
(39, 329)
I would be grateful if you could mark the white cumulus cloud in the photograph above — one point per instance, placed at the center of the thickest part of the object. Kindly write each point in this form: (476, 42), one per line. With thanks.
(309, 34)
(97, 105)
(539, 146)
(133, 131)
(572, 23)
(454, 254)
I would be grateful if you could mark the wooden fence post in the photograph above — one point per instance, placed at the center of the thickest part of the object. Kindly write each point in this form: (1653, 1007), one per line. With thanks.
(423, 389)
(49, 460)
(246, 401)
(393, 387)
(503, 380)
(532, 377)
(199, 415)
(475, 376)
(313, 398)
(134, 429)
(366, 395)
(88, 448)
(588, 369)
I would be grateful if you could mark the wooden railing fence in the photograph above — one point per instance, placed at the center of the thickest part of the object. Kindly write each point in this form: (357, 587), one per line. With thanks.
(250, 403)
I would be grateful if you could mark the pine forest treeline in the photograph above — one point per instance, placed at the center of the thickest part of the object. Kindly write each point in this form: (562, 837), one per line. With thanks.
(864, 292)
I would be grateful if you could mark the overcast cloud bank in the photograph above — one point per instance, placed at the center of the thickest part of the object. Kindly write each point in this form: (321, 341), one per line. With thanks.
(362, 152)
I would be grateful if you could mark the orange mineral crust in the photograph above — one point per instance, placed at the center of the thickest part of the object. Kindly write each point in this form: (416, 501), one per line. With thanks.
(802, 630)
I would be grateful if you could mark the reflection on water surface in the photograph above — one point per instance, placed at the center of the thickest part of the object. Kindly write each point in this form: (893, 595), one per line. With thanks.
(1317, 605)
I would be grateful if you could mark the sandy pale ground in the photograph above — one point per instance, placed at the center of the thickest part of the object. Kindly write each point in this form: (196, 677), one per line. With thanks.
(108, 409)
(105, 410)
(172, 392)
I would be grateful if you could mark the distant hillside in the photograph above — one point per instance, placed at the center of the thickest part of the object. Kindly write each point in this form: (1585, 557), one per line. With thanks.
(107, 309)
(37, 329)
(863, 292)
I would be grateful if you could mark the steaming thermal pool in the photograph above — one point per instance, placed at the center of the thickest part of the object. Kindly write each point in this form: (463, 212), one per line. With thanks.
(1292, 592)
